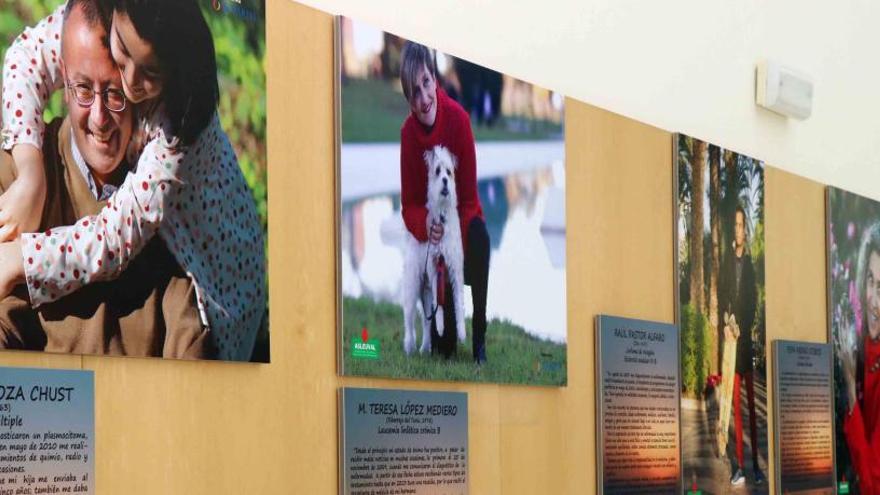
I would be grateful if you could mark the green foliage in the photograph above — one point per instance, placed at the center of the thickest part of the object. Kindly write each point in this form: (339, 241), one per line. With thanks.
(240, 50)
(688, 360)
(695, 350)
(14, 17)
(685, 172)
(514, 355)
(371, 111)
(759, 344)
(756, 247)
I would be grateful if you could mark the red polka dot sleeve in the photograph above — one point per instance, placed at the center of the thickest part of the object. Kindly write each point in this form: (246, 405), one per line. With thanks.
(99, 247)
(200, 204)
(31, 72)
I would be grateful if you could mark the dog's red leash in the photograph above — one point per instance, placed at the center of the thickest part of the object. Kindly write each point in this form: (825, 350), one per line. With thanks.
(440, 266)
(441, 281)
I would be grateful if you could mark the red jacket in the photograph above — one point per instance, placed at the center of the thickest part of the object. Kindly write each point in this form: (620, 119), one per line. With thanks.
(452, 129)
(861, 426)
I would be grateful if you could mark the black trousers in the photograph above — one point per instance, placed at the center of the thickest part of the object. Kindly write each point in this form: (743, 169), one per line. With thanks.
(476, 275)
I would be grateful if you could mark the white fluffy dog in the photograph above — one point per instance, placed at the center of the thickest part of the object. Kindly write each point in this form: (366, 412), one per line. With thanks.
(420, 265)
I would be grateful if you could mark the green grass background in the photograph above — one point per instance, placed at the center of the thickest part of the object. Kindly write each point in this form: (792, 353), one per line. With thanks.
(373, 112)
(514, 356)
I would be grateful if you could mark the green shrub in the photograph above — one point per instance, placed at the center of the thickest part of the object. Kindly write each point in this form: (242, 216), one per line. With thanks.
(695, 350)
(688, 350)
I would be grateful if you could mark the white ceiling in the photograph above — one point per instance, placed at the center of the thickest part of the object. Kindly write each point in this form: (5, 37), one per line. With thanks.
(684, 66)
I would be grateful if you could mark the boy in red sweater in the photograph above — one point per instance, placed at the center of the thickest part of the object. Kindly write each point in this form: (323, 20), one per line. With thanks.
(435, 119)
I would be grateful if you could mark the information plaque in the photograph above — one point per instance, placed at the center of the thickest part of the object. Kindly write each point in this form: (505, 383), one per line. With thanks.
(637, 426)
(47, 429)
(396, 442)
(803, 417)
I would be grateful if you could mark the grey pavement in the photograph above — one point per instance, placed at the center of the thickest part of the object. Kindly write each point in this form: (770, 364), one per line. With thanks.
(701, 462)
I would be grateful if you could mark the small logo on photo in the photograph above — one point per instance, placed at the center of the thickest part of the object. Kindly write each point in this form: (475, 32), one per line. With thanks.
(551, 366)
(238, 9)
(543, 366)
(546, 364)
(365, 347)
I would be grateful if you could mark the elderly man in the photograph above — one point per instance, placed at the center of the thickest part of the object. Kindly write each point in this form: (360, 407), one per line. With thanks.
(150, 310)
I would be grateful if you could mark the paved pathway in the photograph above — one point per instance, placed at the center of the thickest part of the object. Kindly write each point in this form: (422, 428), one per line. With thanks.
(700, 460)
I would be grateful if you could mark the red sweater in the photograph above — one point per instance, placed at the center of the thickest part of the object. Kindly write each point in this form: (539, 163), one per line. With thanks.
(861, 426)
(452, 129)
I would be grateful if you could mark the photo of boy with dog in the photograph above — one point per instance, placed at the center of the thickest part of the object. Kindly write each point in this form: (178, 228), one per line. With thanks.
(720, 277)
(451, 182)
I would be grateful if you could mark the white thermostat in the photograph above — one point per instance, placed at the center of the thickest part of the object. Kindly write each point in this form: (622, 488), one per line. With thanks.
(784, 90)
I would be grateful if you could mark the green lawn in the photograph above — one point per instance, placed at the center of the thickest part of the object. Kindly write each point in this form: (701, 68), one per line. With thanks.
(513, 355)
(372, 112)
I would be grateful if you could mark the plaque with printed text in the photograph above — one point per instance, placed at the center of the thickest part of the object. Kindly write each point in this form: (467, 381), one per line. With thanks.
(47, 431)
(402, 442)
(804, 423)
(637, 386)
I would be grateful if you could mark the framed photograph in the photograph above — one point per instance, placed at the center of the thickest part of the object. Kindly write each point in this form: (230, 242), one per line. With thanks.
(147, 234)
(853, 257)
(451, 216)
(719, 204)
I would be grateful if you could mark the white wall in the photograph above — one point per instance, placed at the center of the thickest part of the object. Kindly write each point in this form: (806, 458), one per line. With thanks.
(683, 66)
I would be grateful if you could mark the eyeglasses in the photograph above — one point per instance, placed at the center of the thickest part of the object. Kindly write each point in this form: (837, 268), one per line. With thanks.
(113, 99)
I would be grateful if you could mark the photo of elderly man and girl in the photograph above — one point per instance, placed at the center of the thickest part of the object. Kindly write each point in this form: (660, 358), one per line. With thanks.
(132, 197)
(451, 227)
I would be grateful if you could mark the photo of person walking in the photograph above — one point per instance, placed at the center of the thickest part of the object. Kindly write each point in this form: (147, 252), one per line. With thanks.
(721, 311)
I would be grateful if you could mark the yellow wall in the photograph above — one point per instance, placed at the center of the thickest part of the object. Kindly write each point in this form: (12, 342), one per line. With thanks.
(219, 428)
